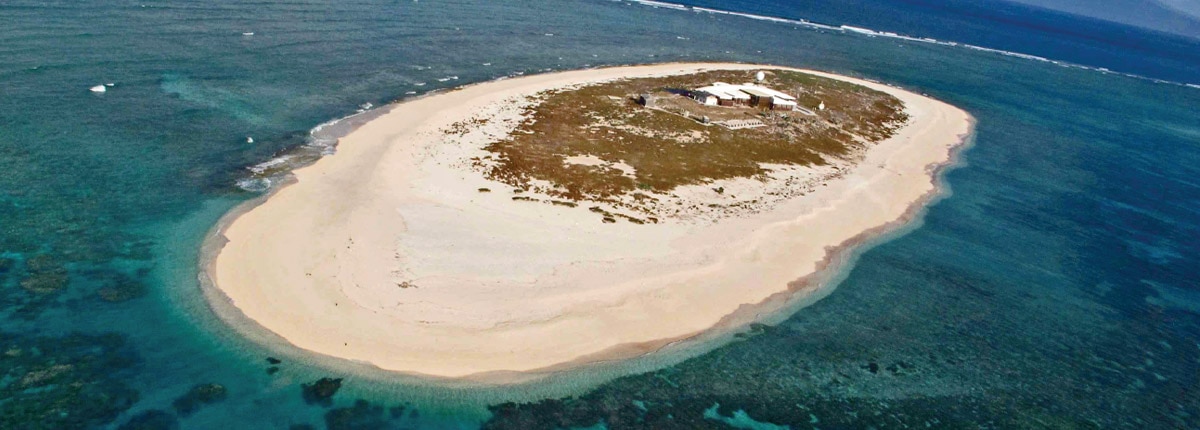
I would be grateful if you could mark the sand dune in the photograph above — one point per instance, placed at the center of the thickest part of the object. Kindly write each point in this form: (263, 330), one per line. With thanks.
(387, 253)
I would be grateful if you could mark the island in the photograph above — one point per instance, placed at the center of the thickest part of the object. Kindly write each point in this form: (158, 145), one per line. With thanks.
(538, 223)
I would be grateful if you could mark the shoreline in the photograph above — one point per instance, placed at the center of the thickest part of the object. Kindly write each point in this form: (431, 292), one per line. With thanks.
(795, 290)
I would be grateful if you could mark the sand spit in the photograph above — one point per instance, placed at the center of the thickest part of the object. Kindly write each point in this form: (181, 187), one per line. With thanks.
(389, 252)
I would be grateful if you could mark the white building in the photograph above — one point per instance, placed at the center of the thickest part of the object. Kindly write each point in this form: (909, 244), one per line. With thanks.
(782, 104)
(723, 94)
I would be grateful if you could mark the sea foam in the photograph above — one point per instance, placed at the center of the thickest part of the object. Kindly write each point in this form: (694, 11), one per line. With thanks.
(849, 29)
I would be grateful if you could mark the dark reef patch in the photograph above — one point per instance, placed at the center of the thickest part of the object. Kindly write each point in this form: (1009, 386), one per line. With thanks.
(44, 275)
(321, 391)
(197, 397)
(151, 420)
(363, 415)
(69, 382)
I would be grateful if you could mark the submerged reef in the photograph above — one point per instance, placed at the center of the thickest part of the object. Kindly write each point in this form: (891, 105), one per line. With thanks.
(868, 357)
(119, 287)
(153, 419)
(321, 391)
(70, 382)
(44, 275)
(31, 283)
(197, 397)
(363, 415)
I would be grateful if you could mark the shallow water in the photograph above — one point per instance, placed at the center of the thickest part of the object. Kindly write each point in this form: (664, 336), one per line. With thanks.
(1056, 287)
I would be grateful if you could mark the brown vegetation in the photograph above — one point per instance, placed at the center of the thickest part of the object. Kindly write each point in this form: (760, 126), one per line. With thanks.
(668, 146)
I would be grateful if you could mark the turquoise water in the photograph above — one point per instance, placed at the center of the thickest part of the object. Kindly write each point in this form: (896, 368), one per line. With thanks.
(1057, 287)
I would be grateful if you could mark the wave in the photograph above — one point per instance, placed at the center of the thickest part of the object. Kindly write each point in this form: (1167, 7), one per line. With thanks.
(255, 185)
(662, 4)
(849, 29)
(321, 141)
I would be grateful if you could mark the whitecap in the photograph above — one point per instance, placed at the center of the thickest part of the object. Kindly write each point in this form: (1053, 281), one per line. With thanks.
(254, 185)
(887, 34)
(262, 167)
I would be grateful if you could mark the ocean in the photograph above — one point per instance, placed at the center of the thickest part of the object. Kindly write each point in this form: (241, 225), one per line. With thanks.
(1056, 286)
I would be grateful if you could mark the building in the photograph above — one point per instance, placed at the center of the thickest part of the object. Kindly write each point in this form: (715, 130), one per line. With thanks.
(738, 124)
(647, 100)
(782, 104)
(704, 98)
(759, 98)
(723, 94)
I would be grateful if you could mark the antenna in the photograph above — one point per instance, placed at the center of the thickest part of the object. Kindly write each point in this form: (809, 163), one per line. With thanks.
(760, 76)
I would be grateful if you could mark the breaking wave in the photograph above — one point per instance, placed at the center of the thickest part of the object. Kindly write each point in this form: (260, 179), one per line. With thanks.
(875, 33)
(321, 141)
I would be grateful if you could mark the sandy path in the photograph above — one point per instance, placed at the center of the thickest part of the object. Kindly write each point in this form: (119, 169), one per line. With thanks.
(495, 285)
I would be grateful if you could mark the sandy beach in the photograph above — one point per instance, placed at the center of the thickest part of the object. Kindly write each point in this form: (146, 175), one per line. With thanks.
(388, 253)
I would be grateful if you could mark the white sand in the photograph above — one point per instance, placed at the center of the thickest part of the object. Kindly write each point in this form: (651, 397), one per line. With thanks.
(386, 253)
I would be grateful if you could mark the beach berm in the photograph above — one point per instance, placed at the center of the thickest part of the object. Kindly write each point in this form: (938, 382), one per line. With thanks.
(543, 222)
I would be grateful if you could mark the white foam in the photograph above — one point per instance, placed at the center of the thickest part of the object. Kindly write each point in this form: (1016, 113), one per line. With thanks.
(891, 35)
(259, 168)
(254, 185)
(98, 89)
(664, 5)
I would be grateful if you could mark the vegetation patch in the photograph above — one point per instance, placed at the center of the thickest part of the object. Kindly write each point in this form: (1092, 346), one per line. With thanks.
(650, 151)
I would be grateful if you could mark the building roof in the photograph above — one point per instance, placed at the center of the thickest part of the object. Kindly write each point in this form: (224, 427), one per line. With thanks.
(724, 92)
(757, 92)
(740, 91)
(773, 93)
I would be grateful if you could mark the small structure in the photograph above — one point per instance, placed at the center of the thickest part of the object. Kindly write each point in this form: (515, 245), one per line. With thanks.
(782, 104)
(725, 95)
(704, 98)
(737, 124)
(647, 100)
(759, 98)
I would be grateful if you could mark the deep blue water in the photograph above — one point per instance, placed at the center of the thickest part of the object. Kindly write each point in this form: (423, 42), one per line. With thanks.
(1057, 287)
